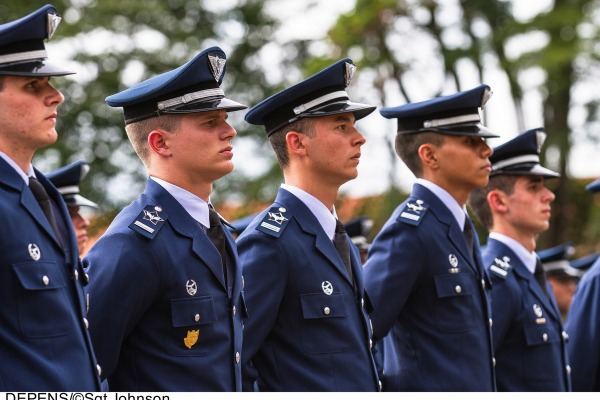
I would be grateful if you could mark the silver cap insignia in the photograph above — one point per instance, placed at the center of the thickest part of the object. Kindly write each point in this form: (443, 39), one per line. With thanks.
(53, 21)
(217, 66)
(350, 69)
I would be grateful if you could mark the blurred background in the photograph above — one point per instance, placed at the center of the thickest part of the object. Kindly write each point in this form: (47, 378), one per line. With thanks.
(541, 59)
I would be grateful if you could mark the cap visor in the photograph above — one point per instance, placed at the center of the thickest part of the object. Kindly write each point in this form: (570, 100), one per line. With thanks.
(78, 200)
(463, 130)
(206, 105)
(37, 68)
(358, 109)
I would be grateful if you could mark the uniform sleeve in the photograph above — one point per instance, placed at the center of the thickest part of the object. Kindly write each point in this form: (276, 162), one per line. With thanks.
(124, 280)
(264, 269)
(392, 268)
(583, 327)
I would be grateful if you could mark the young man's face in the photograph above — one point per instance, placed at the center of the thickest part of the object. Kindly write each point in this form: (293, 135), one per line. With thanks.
(201, 146)
(28, 111)
(80, 225)
(462, 163)
(528, 207)
(334, 151)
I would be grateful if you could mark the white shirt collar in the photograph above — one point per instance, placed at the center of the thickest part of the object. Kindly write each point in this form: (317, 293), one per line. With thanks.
(459, 212)
(325, 217)
(528, 259)
(193, 204)
(14, 165)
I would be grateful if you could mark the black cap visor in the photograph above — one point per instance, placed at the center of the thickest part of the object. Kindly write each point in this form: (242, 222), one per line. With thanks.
(33, 68)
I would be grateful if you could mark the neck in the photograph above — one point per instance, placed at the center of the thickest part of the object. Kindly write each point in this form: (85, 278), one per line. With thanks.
(526, 239)
(325, 194)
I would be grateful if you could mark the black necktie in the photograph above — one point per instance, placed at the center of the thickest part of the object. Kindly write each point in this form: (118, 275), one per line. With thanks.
(540, 276)
(468, 233)
(217, 236)
(340, 240)
(40, 194)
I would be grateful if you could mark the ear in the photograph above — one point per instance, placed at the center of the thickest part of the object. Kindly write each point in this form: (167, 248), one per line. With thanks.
(497, 201)
(295, 143)
(427, 153)
(157, 142)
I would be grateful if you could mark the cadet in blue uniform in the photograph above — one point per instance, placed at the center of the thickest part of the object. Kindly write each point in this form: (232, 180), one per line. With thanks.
(166, 299)
(428, 286)
(308, 327)
(561, 276)
(67, 179)
(583, 326)
(44, 343)
(529, 341)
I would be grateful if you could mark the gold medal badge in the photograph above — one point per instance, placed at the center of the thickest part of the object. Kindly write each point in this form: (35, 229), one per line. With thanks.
(191, 338)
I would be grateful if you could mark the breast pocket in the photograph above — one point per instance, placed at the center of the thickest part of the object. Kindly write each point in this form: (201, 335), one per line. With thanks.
(325, 324)
(42, 303)
(454, 307)
(193, 323)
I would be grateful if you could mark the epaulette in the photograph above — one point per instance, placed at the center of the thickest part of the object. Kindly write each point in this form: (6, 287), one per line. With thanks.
(149, 221)
(501, 267)
(274, 221)
(413, 213)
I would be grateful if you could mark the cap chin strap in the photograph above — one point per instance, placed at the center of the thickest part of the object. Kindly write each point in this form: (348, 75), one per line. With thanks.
(340, 94)
(190, 97)
(24, 56)
(460, 119)
(528, 158)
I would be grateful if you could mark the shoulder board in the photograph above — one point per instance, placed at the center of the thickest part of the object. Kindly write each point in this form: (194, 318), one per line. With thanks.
(501, 267)
(413, 212)
(149, 221)
(274, 221)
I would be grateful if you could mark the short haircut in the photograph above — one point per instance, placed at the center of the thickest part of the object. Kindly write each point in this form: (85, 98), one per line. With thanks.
(278, 138)
(1, 82)
(407, 148)
(478, 197)
(138, 133)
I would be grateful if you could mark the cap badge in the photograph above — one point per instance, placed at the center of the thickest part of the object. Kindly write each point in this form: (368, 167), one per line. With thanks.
(217, 66)
(191, 338)
(53, 21)
(34, 251)
(350, 69)
(191, 287)
(327, 288)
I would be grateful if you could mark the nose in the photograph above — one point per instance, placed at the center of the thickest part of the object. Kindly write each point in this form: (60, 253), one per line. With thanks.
(229, 132)
(360, 139)
(550, 196)
(54, 97)
(487, 150)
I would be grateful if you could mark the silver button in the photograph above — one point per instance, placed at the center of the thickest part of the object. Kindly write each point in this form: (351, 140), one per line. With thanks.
(458, 289)
(370, 343)
(565, 336)
(362, 303)
(545, 337)
(98, 369)
(380, 386)
(494, 362)
(46, 280)
(76, 275)
(237, 357)
(234, 310)
(197, 317)
(491, 322)
(326, 310)
(483, 283)
(86, 323)
(568, 368)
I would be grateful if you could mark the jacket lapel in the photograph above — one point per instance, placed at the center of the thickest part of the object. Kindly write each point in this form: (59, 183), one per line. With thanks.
(183, 223)
(309, 224)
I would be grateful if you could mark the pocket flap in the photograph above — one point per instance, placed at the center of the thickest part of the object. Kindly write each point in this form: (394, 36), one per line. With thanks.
(39, 275)
(320, 305)
(538, 335)
(452, 285)
(193, 311)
